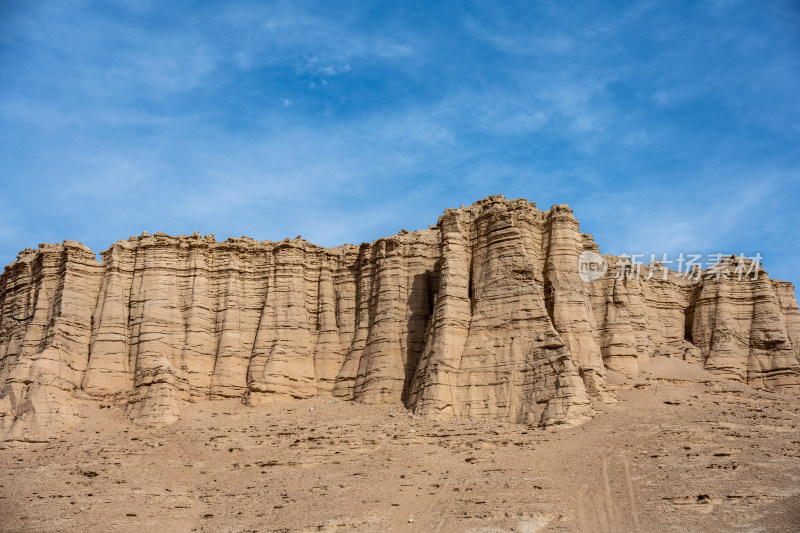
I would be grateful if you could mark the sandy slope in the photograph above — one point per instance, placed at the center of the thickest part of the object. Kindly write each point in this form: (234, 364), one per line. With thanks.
(682, 450)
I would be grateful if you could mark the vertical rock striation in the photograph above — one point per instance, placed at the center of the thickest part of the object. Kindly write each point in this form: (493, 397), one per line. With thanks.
(482, 315)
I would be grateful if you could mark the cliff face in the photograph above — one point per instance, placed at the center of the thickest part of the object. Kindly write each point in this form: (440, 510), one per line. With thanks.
(483, 315)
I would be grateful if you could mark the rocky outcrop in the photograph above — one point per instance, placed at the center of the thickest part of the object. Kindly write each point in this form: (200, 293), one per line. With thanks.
(482, 315)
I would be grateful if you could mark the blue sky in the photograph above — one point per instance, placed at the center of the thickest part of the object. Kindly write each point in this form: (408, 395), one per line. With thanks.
(666, 126)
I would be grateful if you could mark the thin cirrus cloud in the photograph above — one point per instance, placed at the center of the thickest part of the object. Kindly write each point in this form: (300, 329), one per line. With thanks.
(667, 127)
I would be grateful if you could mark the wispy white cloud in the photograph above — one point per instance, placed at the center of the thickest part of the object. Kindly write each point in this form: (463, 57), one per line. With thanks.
(686, 218)
(314, 65)
(54, 116)
(529, 44)
(267, 34)
(345, 123)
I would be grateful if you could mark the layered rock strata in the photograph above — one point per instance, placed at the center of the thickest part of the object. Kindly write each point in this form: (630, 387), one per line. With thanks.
(483, 315)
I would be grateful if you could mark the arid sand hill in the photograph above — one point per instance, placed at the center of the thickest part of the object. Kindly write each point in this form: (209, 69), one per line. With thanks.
(463, 376)
(682, 450)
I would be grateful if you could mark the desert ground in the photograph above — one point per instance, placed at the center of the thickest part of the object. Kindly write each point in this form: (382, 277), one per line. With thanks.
(680, 450)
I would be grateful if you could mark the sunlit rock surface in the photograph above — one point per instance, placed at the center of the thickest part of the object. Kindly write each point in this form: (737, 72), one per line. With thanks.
(482, 315)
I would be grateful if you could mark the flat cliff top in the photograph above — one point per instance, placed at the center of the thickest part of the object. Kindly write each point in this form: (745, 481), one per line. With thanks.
(467, 213)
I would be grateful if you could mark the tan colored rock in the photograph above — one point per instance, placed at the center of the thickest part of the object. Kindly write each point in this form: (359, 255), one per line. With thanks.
(741, 329)
(493, 350)
(482, 315)
(47, 303)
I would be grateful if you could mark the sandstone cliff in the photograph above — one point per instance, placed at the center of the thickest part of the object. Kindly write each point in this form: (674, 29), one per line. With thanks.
(482, 315)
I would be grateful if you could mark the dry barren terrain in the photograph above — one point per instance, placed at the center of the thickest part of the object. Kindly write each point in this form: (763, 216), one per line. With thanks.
(682, 450)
